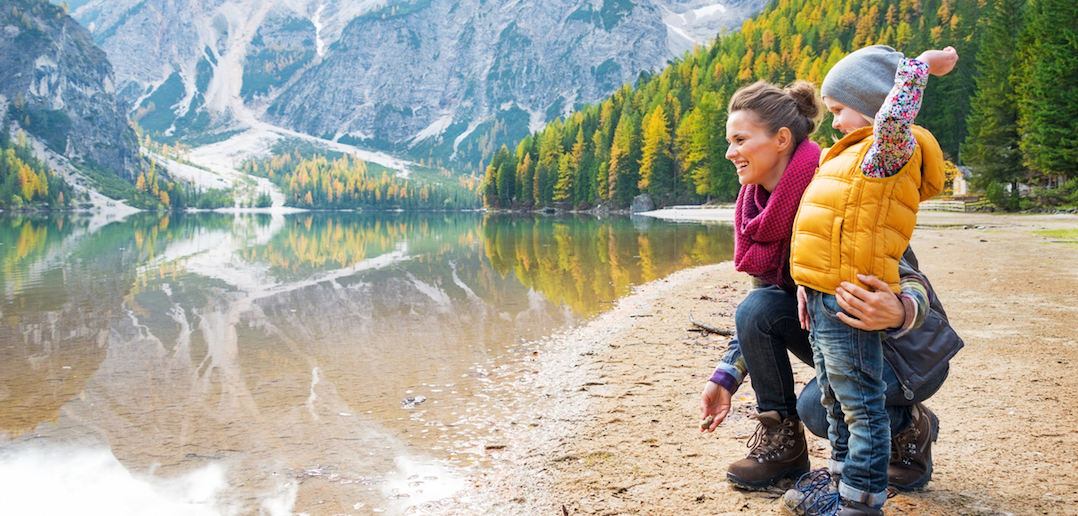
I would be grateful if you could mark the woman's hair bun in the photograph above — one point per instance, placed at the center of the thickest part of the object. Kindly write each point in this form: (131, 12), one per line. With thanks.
(794, 107)
(804, 95)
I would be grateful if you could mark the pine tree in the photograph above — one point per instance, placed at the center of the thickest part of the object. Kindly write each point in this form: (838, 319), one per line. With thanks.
(550, 151)
(992, 147)
(527, 181)
(490, 186)
(1048, 115)
(563, 189)
(656, 165)
(696, 149)
(543, 184)
(506, 171)
(584, 180)
(621, 173)
(947, 98)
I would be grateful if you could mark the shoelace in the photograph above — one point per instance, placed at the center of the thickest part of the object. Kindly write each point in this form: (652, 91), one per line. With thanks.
(762, 444)
(904, 445)
(826, 504)
(813, 484)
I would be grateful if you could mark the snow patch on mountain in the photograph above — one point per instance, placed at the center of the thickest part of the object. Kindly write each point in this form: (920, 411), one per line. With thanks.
(709, 10)
(456, 142)
(536, 121)
(696, 22)
(320, 44)
(434, 129)
(229, 155)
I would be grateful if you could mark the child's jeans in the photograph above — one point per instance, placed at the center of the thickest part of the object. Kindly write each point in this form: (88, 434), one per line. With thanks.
(849, 369)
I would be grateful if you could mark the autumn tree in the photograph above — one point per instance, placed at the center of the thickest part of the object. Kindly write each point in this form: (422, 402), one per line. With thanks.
(623, 171)
(656, 165)
(563, 187)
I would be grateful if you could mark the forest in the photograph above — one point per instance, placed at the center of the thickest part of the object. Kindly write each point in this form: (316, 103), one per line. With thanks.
(1009, 110)
(26, 182)
(323, 180)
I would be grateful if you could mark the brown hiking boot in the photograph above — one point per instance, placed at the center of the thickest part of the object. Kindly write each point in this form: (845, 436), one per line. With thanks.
(911, 451)
(778, 451)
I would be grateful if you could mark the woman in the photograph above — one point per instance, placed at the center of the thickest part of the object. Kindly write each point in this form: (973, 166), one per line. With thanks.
(768, 132)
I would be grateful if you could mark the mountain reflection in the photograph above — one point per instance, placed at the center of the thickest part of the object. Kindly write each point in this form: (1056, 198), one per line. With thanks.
(58, 306)
(279, 348)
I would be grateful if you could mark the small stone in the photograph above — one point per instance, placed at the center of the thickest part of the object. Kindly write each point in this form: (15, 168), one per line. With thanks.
(706, 423)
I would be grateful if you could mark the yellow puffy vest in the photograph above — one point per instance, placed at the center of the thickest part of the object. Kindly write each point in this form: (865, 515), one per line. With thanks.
(850, 224)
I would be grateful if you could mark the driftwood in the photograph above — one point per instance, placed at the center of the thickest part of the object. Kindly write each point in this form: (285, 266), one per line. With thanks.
(726, 332)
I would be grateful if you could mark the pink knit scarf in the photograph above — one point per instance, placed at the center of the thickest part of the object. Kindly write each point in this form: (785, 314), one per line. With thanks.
(763, 221)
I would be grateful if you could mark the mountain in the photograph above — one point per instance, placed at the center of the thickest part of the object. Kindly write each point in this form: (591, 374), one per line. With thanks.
(57, 86)
(435, 79)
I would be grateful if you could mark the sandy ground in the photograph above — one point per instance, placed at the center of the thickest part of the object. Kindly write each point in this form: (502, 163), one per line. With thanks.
(614, 424)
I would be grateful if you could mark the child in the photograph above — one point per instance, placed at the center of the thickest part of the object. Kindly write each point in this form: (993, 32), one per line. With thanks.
(856, 219)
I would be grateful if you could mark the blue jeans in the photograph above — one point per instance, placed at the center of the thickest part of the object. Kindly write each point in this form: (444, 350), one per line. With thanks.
(899, 409)
(767, 327)
(849, 370)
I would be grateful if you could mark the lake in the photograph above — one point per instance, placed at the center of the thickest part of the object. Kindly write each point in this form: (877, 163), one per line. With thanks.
(318, 363)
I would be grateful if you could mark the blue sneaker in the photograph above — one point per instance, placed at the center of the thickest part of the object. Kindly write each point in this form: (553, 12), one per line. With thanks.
(816, 494)
(808, 489)
(833, 504)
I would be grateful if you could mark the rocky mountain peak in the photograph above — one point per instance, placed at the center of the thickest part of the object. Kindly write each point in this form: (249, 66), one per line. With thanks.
(61, 89)
(445, 79)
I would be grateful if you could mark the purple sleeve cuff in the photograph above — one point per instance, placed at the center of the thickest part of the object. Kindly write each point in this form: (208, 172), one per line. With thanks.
(725, 380)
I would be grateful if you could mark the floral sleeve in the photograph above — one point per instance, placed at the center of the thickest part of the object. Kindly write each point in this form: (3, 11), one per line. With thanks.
(894, 143)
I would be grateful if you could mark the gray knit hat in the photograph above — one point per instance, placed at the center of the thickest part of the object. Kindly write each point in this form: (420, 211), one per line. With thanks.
(863, 79)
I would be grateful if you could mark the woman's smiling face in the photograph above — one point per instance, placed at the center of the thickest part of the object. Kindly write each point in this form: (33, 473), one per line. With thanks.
(757, 155)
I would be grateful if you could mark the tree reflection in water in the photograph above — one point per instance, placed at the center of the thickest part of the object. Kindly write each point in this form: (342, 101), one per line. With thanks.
(276, 350)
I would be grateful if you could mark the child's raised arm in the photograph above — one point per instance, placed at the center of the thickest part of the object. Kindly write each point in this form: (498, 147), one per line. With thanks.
(894, 142)
(940, 62)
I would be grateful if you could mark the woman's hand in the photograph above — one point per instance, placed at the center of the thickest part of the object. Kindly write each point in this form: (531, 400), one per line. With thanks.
(714, 402)
(802, 309)
(879, 309)
(940, 62)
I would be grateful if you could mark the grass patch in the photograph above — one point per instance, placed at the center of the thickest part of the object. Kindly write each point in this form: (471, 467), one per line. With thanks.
(1064, 235)
(155, 113)
(113, 186)
(53, 126)
(209, 138)
(598, 458)
(271, 68)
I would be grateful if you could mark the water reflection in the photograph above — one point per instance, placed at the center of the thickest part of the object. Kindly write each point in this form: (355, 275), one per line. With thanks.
(319, 363)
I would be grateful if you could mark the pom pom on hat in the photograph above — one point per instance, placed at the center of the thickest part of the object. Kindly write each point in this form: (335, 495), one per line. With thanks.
(862, 80)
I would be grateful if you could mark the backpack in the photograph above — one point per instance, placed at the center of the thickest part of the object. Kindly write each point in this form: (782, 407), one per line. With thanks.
(926, 350)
